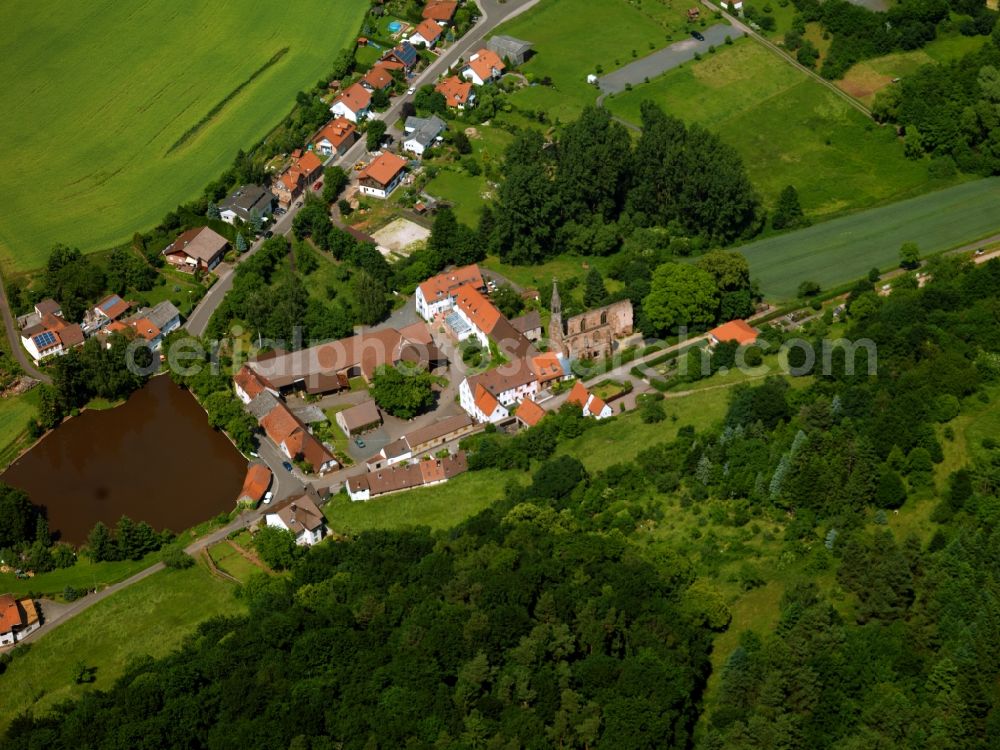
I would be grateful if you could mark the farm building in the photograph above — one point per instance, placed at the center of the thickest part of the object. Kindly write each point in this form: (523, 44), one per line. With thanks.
(515, 51)
(359, 418)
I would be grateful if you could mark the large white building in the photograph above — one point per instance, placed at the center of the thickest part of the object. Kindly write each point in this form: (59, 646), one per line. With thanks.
(437, 295)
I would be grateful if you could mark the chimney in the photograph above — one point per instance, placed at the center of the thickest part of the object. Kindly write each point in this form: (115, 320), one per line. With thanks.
(294, 507)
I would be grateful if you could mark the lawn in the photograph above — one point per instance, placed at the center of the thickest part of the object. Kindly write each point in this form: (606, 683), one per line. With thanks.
(845, 248)
(125, 126)
(81, 576)
(464, 191)
(571, 38)
(152, 617)
(864, 80)
(15, 413)
(439, 507)
(230, 561)
(789, 130)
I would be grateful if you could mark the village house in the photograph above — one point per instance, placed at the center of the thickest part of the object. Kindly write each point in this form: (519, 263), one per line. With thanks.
(18, 618)
(735, 330)
(353, 103)
(336, 137)
(529, 325)
(404, 54)
(255, 485)
(427, 33)
(529, 413)
(436, 295)
(47, 333)
(110, 309)
(359, 418)
(248, 385)
(197, 249)
(152, 324)
(246, 202)
(515, 51)
(590, 405)
(440, 11)
(484, 66)
(327, 367)
(301, 517)
(422, 133)
(378, 78)
(382, 176)
(422, 440)
(733, 6)
(457, 93)
(405, 476)
(301, 173)
(294, 440)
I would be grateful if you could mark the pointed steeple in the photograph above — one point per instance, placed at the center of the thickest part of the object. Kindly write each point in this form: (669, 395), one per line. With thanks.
(555, 321)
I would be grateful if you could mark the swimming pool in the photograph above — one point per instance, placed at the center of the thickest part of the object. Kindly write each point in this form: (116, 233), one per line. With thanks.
(395, 26)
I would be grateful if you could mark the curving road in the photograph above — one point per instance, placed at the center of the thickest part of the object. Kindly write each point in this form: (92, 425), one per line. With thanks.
(14, 339)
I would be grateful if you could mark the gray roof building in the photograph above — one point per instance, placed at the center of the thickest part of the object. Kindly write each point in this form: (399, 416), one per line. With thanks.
(514, 50)
(423, 131)
(262, 404)
(245, 201)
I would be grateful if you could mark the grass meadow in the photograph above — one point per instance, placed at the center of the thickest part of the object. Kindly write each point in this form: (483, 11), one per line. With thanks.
(572, 37)
(152, 617)
(116, 112)
(845, 248)
(788, 129)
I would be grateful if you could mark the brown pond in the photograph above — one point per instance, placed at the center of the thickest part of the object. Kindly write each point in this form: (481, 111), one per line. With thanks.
(154, 459)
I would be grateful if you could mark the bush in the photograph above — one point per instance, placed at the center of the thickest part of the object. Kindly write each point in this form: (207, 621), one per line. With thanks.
(70, 594)
(177, 559)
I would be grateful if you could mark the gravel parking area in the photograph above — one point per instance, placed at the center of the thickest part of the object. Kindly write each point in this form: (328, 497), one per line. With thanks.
(400, 234)
(663, 60)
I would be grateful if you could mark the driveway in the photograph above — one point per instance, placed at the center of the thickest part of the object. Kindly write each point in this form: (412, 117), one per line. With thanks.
(665, 59)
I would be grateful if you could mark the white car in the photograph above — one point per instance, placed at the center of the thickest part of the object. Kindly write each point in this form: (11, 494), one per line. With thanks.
(267, 497)
(411, 91)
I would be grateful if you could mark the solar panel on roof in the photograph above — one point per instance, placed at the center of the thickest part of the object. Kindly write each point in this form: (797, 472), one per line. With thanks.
(44, 340)
(110, 302)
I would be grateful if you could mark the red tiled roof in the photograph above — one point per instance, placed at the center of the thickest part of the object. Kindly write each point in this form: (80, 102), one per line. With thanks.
(530, 413)
(10, 614)
(112, 306)
(485, 63)
(337, 131)
(735, 330)
(280, 424)
(256, 483)
(578, 395)
(249, 382)
(145, 328)
(71, 335)
(547, 366)
(356, 97)
(437, 287)
(384, 169)
(485, 401)
(456, 91)
(479, 310)
(597, 405)
(378, 78)
(428, 30)
(440, 10)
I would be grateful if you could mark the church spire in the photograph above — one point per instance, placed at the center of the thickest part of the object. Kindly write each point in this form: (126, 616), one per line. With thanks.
(555, 321)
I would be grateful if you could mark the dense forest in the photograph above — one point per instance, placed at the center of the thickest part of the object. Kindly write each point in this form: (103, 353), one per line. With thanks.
(544, 621)
(950, 111)
(859, 33)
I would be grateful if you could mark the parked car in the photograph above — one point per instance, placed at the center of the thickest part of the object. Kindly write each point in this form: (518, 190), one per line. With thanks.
(411, 91)
(288, 466)
(267, 497)
(318, 185)
(698, 35)
(359, 442)
(268, 234)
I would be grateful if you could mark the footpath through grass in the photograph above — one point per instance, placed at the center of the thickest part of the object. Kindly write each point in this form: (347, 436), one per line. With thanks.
(788, 128)
(100, 95)
(843, 249)
(150, 618)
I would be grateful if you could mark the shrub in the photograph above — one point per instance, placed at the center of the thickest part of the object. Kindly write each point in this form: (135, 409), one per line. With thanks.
(177, 559)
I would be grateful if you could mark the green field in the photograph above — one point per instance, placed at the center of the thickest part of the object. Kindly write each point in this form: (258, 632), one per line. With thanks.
(844, 249)
(572, 37)
(100, 95)
(152, 617)
(15, 413)
(789, 129)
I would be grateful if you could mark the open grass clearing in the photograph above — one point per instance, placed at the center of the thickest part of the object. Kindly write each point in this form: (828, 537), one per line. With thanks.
(95, 148)
(843, 249)
(15, 414)
(150, 618)
(788, 129)
(572, 38)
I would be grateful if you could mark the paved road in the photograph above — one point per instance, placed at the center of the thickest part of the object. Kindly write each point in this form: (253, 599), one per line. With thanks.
(14, 338)
(663, 60)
